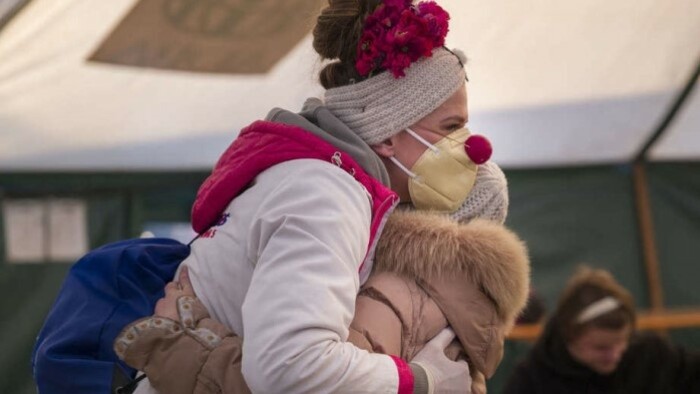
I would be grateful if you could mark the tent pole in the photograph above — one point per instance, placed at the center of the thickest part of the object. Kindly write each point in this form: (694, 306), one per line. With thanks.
(646, 231)
(641, 192)
(666, 121)
(646, 320)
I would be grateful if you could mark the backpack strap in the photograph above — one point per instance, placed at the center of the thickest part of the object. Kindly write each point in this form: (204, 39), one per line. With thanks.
(121, 384)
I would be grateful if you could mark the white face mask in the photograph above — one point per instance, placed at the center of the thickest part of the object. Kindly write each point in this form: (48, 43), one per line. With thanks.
(443, 175)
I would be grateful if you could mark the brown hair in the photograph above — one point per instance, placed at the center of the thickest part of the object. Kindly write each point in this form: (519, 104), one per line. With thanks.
(336, 34)
(583, 289)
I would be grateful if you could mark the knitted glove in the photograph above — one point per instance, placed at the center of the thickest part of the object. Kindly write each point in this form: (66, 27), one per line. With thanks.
(193, 355)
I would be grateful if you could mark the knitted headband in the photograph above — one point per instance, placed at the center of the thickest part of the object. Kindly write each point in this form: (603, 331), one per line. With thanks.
(381, 106)
(407, 41)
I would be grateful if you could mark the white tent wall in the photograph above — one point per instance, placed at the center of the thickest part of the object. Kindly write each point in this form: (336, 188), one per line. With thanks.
(61, 111)
(551, 83)
(568, 93)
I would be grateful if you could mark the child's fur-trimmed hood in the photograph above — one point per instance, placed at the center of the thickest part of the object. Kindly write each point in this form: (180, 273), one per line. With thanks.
(430, 245)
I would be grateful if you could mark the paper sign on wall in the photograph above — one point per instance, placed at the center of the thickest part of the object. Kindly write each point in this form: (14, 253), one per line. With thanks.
(44, 230)
(23, 222)
(67, 229)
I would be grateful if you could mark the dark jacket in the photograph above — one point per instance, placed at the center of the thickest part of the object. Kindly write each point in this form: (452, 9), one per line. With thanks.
(650, 365)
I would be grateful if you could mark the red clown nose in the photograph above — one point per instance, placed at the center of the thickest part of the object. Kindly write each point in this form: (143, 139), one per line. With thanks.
(478, 148)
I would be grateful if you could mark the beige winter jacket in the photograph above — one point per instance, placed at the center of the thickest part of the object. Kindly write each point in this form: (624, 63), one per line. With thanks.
(430, 272)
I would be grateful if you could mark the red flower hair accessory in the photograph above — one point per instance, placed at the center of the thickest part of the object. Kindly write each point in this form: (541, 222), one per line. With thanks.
(398, 33)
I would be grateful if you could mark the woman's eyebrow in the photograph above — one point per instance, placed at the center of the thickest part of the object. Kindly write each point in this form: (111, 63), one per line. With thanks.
(456, 118)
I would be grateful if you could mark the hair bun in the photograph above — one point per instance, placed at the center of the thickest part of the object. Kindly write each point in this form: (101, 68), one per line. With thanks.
(336, 34)
(335, 74)
(339, 27)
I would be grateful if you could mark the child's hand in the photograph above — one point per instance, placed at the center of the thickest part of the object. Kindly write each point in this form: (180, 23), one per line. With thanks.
(167, 306)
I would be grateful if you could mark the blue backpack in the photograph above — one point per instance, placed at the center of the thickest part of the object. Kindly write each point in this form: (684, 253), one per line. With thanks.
(104, 291)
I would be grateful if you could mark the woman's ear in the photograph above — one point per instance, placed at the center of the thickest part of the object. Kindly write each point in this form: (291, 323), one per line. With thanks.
(385, 148)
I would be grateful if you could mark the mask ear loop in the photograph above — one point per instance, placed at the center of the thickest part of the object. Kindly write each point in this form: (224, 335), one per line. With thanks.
(423, 141)
(420, 139)
(403, 167)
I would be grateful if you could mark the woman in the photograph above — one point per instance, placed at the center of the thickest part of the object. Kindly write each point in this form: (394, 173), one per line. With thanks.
(590, 346)
(291, 213)
(429, 271)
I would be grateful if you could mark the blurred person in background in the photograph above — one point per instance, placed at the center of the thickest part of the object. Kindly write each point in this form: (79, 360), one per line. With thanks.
(590, 345)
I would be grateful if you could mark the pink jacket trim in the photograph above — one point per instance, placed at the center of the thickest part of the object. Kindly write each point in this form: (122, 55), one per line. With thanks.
(405, 376)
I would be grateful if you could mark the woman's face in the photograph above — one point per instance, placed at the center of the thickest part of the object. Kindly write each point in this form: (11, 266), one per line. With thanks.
(600, 349)
(452, 115)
